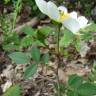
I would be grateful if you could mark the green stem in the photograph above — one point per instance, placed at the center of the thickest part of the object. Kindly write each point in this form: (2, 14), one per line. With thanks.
(17, 8)
(58, 57)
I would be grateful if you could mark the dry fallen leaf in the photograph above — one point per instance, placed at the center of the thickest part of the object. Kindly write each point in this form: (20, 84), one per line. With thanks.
(47, 71)
(9, 72)
(84, 49)
(7, 85)
(64, 74)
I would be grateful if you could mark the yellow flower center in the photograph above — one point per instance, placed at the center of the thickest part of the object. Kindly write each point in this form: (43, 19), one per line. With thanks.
(63, 15)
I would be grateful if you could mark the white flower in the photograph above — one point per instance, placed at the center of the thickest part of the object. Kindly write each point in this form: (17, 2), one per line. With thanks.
(60, 14)
(48, 8)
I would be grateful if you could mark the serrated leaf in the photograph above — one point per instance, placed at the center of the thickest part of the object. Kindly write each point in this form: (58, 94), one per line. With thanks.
(43, 33)
(75, 81)
(19, 58)
(15, 90)
(87, 89)
(29, 30)
(41, 37)
(45, 30)
(10, 47)
(67, 38)
(26, 41)
(35, 53)
(15, 38)
(30, 71)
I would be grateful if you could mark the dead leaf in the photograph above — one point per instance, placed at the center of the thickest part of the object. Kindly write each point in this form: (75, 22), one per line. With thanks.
(7, 85)
(84, 49)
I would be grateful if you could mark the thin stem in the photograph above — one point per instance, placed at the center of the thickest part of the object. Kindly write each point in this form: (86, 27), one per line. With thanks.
(58, 57)
(17, 9)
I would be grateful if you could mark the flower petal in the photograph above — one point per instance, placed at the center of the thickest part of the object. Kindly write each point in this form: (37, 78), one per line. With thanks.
(62, 8)
(42, 5)
(73, 15)
(52, 10)
(71, 24)
(82, 21)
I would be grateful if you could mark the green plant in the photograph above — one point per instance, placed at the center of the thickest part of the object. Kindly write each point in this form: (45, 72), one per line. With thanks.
(92, 75)
(17, 7)
(6, 1)
(10, 39)
(25, 58)
(76, 85)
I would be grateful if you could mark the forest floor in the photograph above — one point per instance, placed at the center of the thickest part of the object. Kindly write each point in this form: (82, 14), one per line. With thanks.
(41, 84)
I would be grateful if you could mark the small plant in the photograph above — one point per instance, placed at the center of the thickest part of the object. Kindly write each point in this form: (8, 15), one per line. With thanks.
(76, 86)
(73, 23)
(25, 58)
(10, 39)
(69, 29)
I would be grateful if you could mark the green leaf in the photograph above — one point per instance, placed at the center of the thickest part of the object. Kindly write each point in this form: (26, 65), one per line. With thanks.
(90, 28)
(43, 33)
(6, 1)
(72, 93)
(41, 37)
(67, 38)
(92, 74)
(45, 30)
(92, 77)
(77, 44)
(35, 53)
(19, 58)
(45, 58)
(13, 38)
(87, 89)
(15, 90)
(30, 71)
(26, 41)
(75, 81)
(87, 36)
(38, 43)
(10, 47)
(29, 30)
(94, 65)
(62, 87)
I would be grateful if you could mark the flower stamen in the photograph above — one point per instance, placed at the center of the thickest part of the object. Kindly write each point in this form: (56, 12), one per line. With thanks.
(63, 15)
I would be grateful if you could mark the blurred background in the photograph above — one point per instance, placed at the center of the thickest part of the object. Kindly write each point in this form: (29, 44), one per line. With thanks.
(84, 7)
